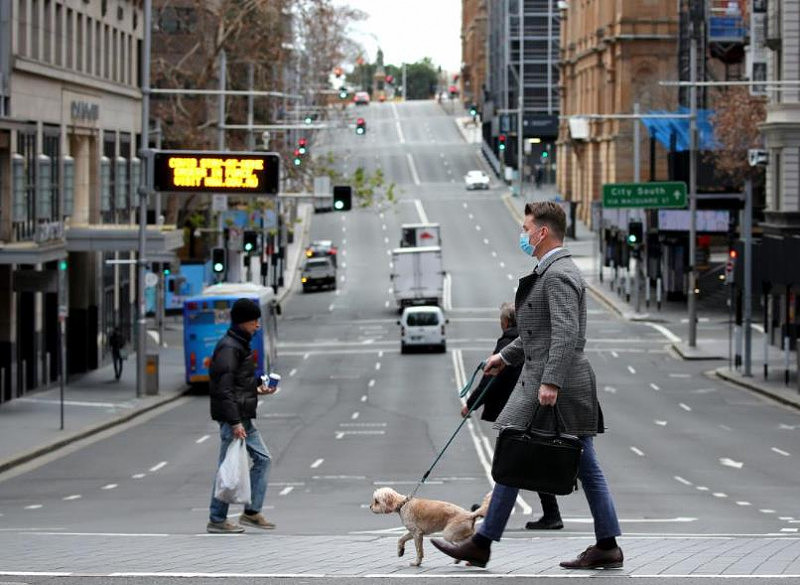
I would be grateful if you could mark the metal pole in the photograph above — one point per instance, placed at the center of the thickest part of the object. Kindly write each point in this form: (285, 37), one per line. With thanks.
(251, 137)
(521, 96)
(223, 72)
(141, 333)
(747, 227)
(405, 88)
(637, 174)
(693, 191)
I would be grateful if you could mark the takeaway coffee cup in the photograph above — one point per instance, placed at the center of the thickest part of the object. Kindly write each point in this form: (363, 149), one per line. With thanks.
(273, 381)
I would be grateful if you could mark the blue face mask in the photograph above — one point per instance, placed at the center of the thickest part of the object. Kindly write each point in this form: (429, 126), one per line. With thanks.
(525, 244)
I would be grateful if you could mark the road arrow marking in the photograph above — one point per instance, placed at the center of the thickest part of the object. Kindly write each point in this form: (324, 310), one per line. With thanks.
(727, 462)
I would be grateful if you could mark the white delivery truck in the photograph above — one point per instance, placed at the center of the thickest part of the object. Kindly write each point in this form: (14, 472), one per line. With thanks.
(415, 235)
(417, 276)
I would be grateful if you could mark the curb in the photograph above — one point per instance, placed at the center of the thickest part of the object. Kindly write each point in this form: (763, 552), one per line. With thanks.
(301, 245)
(86, 432)
(724, 374)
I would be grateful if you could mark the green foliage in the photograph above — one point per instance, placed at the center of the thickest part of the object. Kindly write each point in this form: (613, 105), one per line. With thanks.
(421, 79)
(369, 189)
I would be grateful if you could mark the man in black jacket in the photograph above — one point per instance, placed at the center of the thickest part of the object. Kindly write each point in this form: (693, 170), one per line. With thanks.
(234, 390)
(495, 399)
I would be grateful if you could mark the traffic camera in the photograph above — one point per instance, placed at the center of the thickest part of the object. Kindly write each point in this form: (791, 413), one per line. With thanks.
(361, 126)
(249, 241)
(218, 260)
(342, 198)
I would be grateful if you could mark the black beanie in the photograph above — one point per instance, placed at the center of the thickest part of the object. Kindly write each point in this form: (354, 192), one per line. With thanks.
(245, 310)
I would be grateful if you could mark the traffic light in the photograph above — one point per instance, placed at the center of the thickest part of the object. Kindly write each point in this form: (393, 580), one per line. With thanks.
(501, 142)
(342, 198)
(635, 233)
(361, 126)
(390, 79)
(218, 260)
(249, 241)
(473, 110)
(166, 269)
(297, 157)
(342, 93)
(62, 264)
(302, 146)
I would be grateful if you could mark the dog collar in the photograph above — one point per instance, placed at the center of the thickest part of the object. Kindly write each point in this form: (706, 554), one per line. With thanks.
(400, 507)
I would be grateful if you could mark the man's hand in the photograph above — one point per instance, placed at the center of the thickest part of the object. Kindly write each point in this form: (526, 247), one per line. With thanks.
(494, 365)
(239, 432)
(264, 389)
(464, 411)
(548, 394)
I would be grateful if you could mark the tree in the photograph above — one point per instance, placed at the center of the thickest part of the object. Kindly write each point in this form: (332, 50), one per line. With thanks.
(421, 80)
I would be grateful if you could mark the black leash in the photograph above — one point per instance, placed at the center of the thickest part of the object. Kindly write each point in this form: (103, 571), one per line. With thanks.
(462, 393)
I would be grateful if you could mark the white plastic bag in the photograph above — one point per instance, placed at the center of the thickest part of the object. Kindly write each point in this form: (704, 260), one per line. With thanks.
(233, 477)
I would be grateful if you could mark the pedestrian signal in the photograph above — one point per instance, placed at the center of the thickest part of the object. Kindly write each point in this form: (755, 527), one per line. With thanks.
(342, 198)
(218, 260)
(249, 241)
(361, 126)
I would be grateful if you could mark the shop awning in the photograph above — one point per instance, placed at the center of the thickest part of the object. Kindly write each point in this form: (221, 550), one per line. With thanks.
(663, 129)
(160, 241)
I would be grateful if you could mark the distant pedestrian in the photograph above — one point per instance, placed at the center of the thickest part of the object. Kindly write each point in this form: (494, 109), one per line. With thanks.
(551, 314)
(538, 176)
(494, 401)
(116, 340)
(234, 390)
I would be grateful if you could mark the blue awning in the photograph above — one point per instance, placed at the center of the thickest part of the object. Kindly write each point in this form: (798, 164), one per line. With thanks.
(662, 129)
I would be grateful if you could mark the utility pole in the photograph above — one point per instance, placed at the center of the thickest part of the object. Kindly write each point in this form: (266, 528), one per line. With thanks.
(747, 285)
(692, 304)
(637, 175)
(521, 96)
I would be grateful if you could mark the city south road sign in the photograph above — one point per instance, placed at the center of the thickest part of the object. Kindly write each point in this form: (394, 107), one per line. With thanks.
(179, 171)
(670, 194)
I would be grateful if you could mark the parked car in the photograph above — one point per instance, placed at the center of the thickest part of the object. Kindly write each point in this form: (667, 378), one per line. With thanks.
(422, 327)
(319, 248)
(361, 98)
(318, 272)
(476, 180)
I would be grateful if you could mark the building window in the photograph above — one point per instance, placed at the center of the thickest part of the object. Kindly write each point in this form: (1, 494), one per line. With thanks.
(106, 52)
(58, 53)
(775, 163)
(79, 47)
(70, 57)
(35, 32)
(47, 31)
(22, 27)
(114, 54)
(26, 147)
(98, 48)
(51, 147)
(110, 152)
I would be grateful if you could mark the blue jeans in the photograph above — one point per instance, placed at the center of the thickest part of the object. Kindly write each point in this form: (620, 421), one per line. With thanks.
(594, 485)
(218, 511)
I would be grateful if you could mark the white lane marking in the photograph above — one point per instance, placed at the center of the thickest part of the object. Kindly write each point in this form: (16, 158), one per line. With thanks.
(138, 475)
(671, 337)
(292, 372)
(203, 439)
(355, 415)
(502, 265)
(789, 529)
(638, 451)
(614, 354)
(413, 170)
(364, 398)
(728, 462)
(702, 488)
(680, 375)
(305, 355)
(780, 452)
(386, 240)
(330, 307)
(378, 366)
(383, 227)
(72, 497)
(317, 463)
(386, 304)
(494, 254)
(109, 486)
(158, 466)
(341, 434)
(286, 490)
(683, 481)
(371, 383)
(400, 132)
(743, 503)
(655, 387)
(71, 402)
(34, 507)
(685, 407)
(469, 215)
(767, 511)
(362, 425)
(477, 228)
(510, 277)
(380, 354)
(725, 427)
(661, 423)
(720, 495)
(609, 389)
(486, 241)
(631, 370)
(423, 217)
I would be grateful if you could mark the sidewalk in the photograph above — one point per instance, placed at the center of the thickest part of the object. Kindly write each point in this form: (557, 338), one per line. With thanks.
(93, 402)
(672, 318)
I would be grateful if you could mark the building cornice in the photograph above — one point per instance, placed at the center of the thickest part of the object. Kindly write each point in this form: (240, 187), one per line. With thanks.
(65, 76)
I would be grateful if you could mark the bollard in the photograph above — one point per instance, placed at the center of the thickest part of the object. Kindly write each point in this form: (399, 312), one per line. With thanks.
(151, 374)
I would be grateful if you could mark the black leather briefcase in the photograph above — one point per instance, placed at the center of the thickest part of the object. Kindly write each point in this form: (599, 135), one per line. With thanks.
(537, 461)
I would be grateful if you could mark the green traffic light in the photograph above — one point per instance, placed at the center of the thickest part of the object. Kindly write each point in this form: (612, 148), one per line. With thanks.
(297, 162)
(167, 272)
(308, 120)
(343, 94)
(248, 247)
(302, 149)
(631, 239)
(338, 205)
(62, 264)
(218, 267)
(502, 146)
(545, 154)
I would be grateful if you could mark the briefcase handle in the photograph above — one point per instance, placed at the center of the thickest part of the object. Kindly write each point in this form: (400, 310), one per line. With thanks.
(558, 423)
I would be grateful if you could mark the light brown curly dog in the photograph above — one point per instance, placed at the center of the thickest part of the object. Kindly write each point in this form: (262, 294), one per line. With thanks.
(423, 517)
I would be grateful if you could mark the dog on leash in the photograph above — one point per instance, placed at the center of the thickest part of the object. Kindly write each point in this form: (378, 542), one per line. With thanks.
(423, 517)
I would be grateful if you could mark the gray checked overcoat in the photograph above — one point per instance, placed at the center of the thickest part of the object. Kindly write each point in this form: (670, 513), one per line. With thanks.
(551, 320)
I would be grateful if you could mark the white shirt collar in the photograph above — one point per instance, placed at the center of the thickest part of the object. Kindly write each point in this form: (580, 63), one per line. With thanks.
(550, 253)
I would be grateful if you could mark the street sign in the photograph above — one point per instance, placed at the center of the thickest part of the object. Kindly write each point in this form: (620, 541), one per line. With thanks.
(219, 202)
(653, 195)
(44, 281)
(185, 171)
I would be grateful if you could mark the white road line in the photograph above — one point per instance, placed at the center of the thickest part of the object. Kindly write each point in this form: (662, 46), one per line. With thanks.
(400, 132)
(638, 451)
(364, 398)
(203, 439)
(609, 389)
(386, 304)
(767, 511)
(109, 486)
(413, 170)
(380, 354)
(502, 265)
(631, 370)
(469, 215)
(671, 337)
(72, 497)
(510, 277)
(158, 466)
(477, 228)
(138, 475)
(494, 254)
(371, 383)
(728, 462)
(34, 507)
(423, 217)
(355, 415)
(661, 423)
(680, 375)
(679, 479)
(378, 366)
(362, 425)
(720, 495)
(341, 434)
(685, 407)
(702, 488)
(743, 503)
(780, 452)
(292, 372)
(286, 490)
(305, 355)
(486, 241)
(317, 463)
(614, 354)
(654, 387)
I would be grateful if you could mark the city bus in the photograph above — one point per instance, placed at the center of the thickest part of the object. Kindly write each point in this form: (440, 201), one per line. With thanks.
(206, 318)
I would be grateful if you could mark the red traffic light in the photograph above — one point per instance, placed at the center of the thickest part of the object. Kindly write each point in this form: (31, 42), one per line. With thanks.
(360, 121)
(302, 142)
(297, 152)
(502, 138)
(389, 78)
(733, 254)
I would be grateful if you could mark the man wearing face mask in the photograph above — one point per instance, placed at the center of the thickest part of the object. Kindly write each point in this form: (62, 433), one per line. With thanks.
(551, 320)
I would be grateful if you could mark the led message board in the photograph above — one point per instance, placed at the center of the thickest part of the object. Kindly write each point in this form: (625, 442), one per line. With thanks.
(179, 171)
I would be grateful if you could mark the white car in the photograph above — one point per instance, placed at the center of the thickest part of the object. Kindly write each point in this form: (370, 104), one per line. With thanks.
(476, 180)
(422, 326)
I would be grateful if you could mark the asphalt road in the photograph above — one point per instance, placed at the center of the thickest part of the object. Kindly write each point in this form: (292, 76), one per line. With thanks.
(686, 455)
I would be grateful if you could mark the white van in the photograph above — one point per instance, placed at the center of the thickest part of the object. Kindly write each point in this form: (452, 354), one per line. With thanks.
(422, 327)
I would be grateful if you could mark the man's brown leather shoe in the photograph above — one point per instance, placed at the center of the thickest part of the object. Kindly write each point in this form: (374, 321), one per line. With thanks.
(595, 558)
(465, 551)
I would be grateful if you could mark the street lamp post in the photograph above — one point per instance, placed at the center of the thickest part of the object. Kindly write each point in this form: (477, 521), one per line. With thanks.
(692, 304)
(521, 96)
